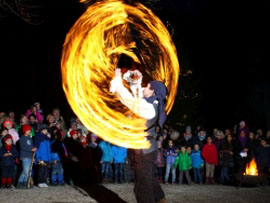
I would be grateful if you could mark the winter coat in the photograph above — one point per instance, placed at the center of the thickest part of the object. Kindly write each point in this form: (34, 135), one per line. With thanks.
(198, 141)
(210, 154)
(7, 161)
(160, 162)
(119, 154)
(170, 154)
(107, 151)
(197, 161)
(26, 146)
(263, 156)
(43, 145)
(14, 135)
(183, 161)
(226, 159)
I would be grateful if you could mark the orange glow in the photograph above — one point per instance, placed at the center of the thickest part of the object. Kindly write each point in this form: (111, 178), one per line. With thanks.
(90, 54)
(251, 168)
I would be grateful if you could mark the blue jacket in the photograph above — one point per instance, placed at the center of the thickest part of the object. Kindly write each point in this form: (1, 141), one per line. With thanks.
(171, 155)
(7, 161)
(197, 161)
(107, 151)
(43, 145)
(119, 154)
(26, 146)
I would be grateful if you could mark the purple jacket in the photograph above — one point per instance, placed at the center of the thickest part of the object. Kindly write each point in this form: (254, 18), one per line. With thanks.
(170, 154)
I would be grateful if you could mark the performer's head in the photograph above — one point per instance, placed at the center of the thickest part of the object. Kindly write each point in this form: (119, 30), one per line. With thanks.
(155, 88)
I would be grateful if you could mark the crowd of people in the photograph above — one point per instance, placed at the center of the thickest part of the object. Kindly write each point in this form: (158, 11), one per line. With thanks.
(42, 151)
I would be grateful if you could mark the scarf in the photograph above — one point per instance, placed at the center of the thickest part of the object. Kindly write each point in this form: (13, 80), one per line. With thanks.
(8, 147)
(187, 137)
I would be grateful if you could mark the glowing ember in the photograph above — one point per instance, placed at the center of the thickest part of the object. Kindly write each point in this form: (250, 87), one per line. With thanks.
(251, 168)
(90, 55)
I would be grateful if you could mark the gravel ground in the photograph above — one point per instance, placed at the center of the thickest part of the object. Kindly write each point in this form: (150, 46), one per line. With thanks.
(120, 193)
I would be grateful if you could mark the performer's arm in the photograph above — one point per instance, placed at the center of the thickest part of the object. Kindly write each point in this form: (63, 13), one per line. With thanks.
(138, 106)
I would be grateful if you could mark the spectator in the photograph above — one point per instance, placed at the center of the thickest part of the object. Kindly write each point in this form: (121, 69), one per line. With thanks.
(50, 120)
(263, 157)
(119, 155)
(8, 154)
(242, 153)
(251, 144)
(34, 110)
(58, 154)
(106, 160)
(37, 104)
(187, 139)
(33, 122)
(84, 130)
(3, 133)
(23, 121)
(11, 117)
(184, 163)
(200, 139)
(15, 137)
(197, 164)
(26, 150)
(97, 154)
(210, 155)
(59, 118)
(259, 134)
(170, 154)
(218, 139)
(43, 154)
(160, 161)
(226, 159)
(73, 126)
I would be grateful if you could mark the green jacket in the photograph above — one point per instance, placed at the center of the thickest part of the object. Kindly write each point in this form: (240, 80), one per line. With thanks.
(183, 161)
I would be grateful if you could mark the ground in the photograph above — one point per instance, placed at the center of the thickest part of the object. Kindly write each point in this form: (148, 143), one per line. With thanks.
(120, 193)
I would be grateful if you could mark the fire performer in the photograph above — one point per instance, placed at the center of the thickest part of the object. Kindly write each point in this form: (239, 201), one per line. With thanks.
(150, 107)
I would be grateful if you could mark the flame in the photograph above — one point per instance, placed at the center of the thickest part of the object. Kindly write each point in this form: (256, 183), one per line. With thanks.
(251, 168)
(90, 54)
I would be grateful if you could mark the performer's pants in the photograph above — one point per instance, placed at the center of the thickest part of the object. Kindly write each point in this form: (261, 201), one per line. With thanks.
(146, 187)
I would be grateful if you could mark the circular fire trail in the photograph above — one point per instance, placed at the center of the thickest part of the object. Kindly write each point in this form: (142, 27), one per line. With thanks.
(93, 46)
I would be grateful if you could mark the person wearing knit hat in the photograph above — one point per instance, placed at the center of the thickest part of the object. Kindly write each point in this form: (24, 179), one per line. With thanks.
(8, 154)
(74, 134)
(43, 154)
(151, 107)
(15, 136)
(26, 150)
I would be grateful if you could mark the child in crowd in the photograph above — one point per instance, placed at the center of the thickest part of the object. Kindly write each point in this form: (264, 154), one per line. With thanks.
(170, 154)
(226, 159)
(210, 155)
(184, 162)
(119, 155)
(106, 160)
(8, 153)
(34, 110)
(23, 121)
(3, 133)
(26, 150)
(43, 154)
(197, 164)
(189, 150)
(15, 137)
(58, 156)
(160, 161)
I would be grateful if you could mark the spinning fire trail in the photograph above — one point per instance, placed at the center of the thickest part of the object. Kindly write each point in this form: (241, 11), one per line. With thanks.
(90, 56)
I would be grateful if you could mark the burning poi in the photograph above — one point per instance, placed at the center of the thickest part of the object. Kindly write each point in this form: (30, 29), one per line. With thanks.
(90, 56)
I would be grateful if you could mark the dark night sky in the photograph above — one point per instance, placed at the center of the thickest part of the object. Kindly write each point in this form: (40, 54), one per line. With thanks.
(224, 43)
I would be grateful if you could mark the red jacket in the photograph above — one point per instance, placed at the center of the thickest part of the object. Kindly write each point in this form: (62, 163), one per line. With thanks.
(210, 154)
